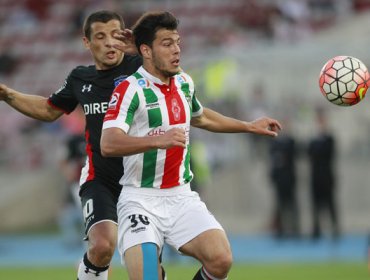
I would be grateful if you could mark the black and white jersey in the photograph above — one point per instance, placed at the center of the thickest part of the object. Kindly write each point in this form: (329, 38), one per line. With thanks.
(92, 89)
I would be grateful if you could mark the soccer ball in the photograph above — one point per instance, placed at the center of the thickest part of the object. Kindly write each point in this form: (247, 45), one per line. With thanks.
(344, 80)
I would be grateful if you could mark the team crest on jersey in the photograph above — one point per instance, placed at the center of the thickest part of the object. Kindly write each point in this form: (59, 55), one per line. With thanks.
(176, 109)
(143, 83)
(119, 79)
(113, 100)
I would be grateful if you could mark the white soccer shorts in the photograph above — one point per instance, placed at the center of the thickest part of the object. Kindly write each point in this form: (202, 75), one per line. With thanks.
(174, 216)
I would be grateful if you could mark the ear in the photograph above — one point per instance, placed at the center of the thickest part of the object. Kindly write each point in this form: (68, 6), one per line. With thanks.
(86, 43)
(146, 51)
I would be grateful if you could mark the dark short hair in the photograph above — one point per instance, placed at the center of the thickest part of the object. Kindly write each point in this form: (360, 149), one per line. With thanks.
(100, 16)
(149, 23)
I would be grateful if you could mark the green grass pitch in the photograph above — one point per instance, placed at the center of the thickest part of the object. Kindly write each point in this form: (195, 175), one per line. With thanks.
(310, 271)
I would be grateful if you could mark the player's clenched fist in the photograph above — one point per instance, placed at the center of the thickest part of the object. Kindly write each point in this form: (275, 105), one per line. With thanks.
(172, 137)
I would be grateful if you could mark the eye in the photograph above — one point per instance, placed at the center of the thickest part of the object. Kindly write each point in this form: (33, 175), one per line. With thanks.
(116, 33)
(167, 43)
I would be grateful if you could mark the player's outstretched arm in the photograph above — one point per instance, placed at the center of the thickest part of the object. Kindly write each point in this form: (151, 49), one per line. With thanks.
(216, 122)
(32, 106)
(116, 143)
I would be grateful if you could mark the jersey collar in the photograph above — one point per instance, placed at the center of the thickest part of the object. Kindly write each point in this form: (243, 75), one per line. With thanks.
(149, 76)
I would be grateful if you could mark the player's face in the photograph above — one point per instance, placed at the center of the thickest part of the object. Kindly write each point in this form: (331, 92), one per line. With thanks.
(101, 44)
(165, 53)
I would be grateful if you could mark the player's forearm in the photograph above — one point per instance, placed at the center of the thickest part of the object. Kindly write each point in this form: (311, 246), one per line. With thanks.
(115, 143)
(32, 106)
(216, 122)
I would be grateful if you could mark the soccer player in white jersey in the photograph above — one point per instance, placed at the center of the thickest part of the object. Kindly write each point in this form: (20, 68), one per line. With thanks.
(148, 123)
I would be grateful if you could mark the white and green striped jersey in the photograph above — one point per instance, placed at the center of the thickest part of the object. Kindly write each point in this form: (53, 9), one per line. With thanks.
(144, 106)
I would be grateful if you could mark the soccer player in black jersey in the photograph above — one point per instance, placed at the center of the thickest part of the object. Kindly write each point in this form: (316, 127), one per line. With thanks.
(91, 87)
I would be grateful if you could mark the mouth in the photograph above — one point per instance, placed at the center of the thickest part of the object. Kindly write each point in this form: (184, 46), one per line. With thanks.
(111, 54)
(175, 62)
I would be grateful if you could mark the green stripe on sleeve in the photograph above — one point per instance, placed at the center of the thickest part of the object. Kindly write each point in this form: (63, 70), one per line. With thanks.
(137, 75)
(195, 104)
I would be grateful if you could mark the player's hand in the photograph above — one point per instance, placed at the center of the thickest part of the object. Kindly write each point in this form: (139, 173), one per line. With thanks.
(266, 126)
(175, 137)
(4, 92)
(127, 42)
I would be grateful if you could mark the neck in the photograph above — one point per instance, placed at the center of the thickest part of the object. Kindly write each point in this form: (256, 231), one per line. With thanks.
(101, 66)
(164, 77)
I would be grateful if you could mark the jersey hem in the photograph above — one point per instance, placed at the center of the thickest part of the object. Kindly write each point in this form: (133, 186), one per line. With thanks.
(158, 192)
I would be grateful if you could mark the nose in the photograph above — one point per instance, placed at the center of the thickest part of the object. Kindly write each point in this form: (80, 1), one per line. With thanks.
(177, 48)
(110, 41)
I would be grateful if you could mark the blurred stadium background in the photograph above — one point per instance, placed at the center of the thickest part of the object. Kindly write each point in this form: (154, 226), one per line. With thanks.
(248, 58)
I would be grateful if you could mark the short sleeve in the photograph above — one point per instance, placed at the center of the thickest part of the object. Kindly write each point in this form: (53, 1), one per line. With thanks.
(64, 98)
(122, 107)
(197, 108)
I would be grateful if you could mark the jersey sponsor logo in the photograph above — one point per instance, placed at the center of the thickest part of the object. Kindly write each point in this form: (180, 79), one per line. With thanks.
(160, 131)
(119, 79)
(113, 101)
(86, 87)
(156, 132)
(152, 105)
(95, 108)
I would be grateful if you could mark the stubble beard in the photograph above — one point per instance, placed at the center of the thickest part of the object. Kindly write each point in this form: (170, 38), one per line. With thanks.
(159, 66)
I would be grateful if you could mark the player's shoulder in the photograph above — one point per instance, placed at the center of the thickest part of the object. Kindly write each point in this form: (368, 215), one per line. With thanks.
(129, 82)
(183, 77)
(83, 71)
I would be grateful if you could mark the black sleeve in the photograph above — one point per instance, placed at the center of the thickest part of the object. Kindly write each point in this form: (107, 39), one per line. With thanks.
(64, 98)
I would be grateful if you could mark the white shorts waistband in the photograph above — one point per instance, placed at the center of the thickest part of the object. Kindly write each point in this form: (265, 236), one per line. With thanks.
(158, 192)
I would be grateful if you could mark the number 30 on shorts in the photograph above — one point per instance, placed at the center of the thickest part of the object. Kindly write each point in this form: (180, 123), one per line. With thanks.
(135, 219)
